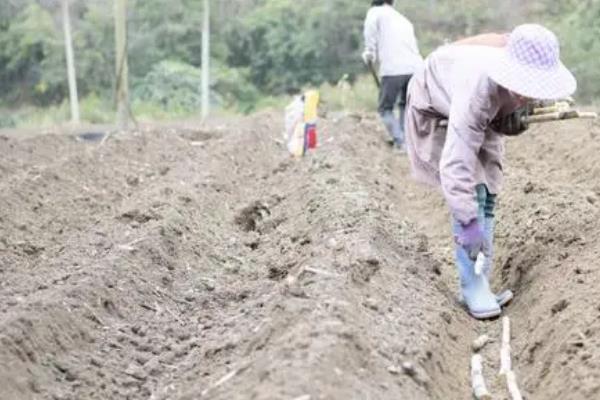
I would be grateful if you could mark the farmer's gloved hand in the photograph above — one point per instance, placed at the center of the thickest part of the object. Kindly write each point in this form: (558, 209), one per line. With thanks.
(471, 238)
(368, 57)
(513, 124)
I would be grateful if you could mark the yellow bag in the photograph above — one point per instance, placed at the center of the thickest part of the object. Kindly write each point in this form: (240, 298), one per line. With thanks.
(301, 123)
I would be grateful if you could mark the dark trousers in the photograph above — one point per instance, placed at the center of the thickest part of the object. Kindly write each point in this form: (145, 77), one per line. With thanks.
(392, 92)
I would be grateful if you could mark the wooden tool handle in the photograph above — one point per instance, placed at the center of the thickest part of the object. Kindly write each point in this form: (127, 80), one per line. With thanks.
(557, 116)
(547, 117)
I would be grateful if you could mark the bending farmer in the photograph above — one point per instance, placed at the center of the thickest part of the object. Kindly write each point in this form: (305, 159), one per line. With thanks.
(390, 41)
(479, 85)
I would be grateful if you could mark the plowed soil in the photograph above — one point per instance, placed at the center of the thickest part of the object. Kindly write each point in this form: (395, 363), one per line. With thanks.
(201, 261)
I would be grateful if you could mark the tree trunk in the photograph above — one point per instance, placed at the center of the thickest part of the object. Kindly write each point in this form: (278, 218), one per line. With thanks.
(205, 90)
(122, 69)
(70, 62)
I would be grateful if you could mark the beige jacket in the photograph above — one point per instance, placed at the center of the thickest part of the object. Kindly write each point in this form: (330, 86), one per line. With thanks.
(455, 86)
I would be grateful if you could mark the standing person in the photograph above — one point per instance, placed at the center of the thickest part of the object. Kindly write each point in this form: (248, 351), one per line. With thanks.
(390, 41)
(479, 86)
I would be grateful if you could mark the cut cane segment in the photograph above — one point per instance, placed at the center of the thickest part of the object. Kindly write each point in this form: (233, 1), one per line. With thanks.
(480, 391)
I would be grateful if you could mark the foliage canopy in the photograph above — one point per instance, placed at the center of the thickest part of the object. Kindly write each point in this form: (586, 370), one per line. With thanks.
(259, 47)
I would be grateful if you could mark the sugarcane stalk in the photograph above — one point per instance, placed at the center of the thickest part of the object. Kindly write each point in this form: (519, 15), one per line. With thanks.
(558, 116)
(505, 363)
(539, 116)
(477, 381)
(513, 388)
(556, 107)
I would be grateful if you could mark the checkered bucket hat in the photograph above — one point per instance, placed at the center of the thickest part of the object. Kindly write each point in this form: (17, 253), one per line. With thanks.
(530, 65)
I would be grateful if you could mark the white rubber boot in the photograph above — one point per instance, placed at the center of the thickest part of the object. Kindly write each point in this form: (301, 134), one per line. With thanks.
(505, 296)
(475, 288)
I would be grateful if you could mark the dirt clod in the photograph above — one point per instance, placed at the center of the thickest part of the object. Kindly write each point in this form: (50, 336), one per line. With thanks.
(560, 306)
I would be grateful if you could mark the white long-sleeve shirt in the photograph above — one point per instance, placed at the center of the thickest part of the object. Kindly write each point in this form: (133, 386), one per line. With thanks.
(390, 37)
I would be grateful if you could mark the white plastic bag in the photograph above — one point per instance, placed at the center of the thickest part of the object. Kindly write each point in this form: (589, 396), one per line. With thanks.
(294, 127)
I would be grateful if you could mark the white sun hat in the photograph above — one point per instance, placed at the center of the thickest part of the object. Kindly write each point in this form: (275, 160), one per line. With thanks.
(530, 65)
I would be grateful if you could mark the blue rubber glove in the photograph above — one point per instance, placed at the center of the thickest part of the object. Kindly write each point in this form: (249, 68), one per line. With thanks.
(472, 239)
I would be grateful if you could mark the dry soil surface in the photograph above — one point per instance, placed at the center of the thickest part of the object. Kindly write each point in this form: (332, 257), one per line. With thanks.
(201, 261)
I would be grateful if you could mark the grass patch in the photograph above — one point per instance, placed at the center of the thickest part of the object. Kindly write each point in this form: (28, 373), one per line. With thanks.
(360, 95)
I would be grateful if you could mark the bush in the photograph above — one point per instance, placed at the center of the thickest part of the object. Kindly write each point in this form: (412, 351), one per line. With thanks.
(96, 110)
(286, 45)
(7, 120)
(232, 89)
(172, 85)
(33, 117)
(172, 89)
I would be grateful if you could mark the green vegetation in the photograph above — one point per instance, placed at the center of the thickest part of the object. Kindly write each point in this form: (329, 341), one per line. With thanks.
(261, 50)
